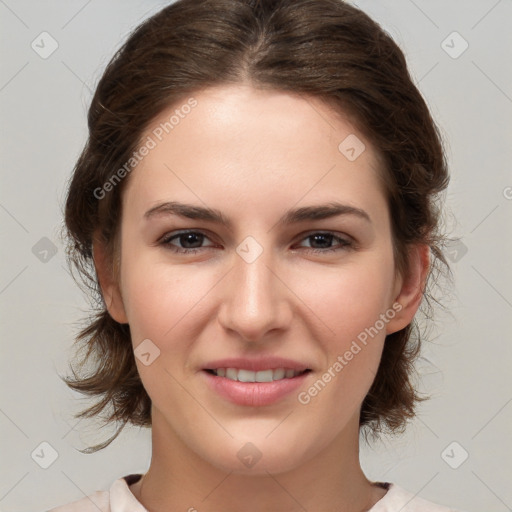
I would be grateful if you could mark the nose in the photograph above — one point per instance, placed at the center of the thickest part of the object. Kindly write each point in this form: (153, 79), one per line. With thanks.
(256, 300)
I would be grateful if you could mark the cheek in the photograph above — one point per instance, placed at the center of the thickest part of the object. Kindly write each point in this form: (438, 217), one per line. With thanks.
(160, 298)
(352, 302)
(350, 298)
(165, 305)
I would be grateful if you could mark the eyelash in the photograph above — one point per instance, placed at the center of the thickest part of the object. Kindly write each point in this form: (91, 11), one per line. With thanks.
(166, 241)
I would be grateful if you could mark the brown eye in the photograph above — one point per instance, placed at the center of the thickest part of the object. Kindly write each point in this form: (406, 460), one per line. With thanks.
(186, 242)
(321, 242)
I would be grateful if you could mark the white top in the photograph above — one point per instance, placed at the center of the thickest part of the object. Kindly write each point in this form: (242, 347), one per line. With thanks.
(120, 499)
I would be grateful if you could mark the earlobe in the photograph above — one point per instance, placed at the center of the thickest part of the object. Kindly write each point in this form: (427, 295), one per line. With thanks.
(109, 287)
(411, 288)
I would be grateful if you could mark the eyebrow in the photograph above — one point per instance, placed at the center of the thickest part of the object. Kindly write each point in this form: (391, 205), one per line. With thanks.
(305, 213)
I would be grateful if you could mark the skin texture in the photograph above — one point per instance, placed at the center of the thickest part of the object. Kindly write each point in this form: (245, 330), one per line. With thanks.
(253, 155)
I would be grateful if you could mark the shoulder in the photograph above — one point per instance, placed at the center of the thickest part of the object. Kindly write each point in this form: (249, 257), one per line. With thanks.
(118, 498)
(399, 499)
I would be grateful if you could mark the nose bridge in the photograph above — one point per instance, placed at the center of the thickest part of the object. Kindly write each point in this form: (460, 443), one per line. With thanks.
(255, 300)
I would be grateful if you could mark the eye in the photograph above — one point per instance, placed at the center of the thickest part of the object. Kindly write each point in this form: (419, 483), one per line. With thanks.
(190, 241)
(320, 242)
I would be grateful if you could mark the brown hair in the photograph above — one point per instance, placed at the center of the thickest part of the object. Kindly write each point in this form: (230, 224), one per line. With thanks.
(322, 48)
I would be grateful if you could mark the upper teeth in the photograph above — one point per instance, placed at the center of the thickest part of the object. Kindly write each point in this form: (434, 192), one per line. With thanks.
(261, 376)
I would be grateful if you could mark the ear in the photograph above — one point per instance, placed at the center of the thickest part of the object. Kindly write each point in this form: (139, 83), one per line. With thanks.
(109, 287)
(409, 289)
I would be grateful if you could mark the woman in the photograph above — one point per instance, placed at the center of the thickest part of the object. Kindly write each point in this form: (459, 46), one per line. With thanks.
(256, 206)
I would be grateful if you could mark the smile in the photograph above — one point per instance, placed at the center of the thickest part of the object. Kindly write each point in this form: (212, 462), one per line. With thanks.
(255, 388)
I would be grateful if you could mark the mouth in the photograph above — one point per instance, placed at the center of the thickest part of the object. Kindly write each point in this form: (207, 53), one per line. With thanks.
(255, 388)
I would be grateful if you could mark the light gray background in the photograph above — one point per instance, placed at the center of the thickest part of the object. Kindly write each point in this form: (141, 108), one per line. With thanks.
(467, 367)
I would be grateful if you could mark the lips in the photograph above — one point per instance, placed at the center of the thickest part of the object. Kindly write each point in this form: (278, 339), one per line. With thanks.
(255, 382)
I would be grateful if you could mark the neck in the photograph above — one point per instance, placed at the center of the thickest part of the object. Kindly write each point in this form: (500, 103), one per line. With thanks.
(178, 479)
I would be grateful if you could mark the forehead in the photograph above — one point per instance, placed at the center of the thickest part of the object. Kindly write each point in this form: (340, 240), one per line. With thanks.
(240, 146)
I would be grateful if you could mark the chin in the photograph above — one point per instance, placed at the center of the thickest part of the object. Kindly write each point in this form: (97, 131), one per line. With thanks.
(258, 456)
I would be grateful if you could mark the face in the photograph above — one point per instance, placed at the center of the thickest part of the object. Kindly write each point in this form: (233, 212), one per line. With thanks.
(281, 260)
